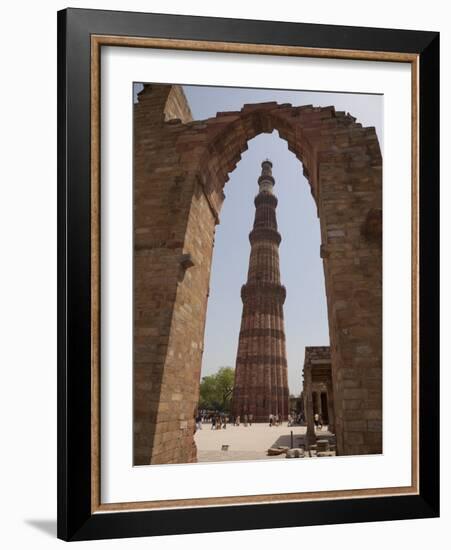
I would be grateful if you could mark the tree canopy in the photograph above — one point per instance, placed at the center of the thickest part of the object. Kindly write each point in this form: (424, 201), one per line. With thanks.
(216, 390)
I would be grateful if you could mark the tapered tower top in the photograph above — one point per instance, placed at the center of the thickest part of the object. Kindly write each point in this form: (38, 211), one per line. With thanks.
(266, 181)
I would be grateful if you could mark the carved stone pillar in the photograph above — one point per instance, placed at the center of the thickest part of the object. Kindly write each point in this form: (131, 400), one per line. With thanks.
(308, 405)
(330, 407)
(320, 404)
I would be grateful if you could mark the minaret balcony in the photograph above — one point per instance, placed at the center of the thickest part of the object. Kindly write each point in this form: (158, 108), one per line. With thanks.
(264, 234)
(265, 198)
(263, 289)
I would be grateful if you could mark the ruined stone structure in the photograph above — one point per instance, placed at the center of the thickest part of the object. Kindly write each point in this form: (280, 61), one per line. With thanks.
(180, 169)
(295, 405)
(317, 389)
(261, 378)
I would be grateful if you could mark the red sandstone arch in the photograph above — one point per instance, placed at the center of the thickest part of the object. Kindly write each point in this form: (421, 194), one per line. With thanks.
(189, 164)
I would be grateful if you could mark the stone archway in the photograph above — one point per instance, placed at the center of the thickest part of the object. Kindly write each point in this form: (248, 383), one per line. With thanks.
(181, 168)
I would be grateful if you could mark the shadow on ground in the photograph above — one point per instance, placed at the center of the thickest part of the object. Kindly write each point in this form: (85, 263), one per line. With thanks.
(285, 441)
(298, 439)
(47, 526)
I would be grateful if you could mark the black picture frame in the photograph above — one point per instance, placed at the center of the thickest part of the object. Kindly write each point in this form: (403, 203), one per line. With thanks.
(75, 518)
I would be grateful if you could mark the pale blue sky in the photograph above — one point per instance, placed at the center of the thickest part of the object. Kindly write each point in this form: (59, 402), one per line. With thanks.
(301, 266)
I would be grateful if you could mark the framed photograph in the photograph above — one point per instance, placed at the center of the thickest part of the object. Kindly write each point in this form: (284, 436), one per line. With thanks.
(248, 274)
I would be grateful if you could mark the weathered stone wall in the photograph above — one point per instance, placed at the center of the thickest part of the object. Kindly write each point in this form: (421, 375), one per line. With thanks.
(163, 195)
(180, 172)
(350, 201)
(176, 106)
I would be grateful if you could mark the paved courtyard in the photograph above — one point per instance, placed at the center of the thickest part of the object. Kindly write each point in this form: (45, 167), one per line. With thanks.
(247, 443)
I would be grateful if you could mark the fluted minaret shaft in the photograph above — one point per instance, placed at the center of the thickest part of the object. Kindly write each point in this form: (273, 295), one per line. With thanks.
(261, 386)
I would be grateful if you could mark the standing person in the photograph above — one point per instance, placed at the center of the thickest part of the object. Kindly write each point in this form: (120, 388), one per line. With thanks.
(198, 421)
(218, 422)
(245, 420)
(271, 418)
(277, 419)
(316, 419)
(213, 422)
(251, 417)
(225, 420)
(237, 423)
(320, 422)
(290, 420)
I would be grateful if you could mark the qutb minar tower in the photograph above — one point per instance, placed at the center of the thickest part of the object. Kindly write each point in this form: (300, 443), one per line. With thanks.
(261, 382)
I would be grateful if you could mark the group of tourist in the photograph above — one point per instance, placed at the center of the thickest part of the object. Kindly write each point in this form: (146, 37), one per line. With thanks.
(247, 420)
(295, 419)
(216, 420)
(220, 420)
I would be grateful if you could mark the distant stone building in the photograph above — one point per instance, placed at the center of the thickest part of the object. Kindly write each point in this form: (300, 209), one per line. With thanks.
(317, 389)
(261, 381)
(295, 404)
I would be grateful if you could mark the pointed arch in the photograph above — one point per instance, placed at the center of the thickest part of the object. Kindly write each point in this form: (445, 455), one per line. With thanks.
(189, 166)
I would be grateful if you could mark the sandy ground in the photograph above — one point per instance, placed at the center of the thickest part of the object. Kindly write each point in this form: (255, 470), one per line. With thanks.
(247, 443)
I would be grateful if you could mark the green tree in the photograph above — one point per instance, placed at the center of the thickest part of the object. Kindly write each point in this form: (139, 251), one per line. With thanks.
(216, 390)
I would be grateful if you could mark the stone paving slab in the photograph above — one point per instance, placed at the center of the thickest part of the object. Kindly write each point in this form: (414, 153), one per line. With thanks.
(226, 456)
(247, 443)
